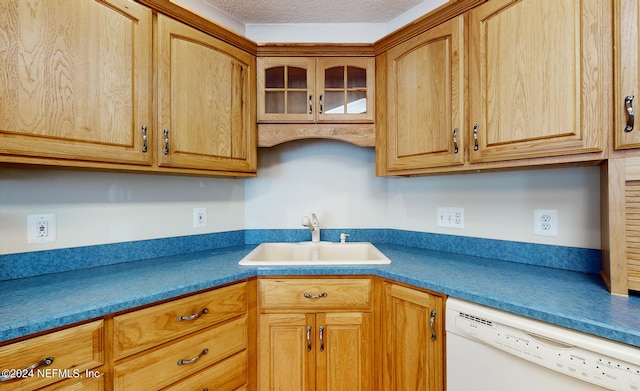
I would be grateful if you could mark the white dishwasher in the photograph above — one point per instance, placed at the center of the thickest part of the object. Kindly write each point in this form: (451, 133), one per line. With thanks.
(492, 350)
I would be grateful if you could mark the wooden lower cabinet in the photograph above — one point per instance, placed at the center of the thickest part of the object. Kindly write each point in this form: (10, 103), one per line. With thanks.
(194, 343)
(413, 339)
(326, 349)
(62, 358)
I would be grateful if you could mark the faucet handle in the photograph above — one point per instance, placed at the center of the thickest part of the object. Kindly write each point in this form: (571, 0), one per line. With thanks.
(343, 237)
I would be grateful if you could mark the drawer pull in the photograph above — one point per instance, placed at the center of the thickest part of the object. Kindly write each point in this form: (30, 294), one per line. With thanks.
(182, 318)
(27, 372)
(308, 296)
(192, 360)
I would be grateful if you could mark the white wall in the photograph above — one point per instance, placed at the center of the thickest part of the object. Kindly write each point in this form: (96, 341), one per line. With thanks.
(337, 181)
(333, 179)
(98, 208)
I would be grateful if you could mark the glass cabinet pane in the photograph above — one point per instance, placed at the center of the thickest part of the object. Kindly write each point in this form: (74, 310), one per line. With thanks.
(356, 77)
(345, 90)
(356, 102)
(297, 102)
(274, 102)
(334, 102)
(274, 77)
(334, 77)
(296, 77)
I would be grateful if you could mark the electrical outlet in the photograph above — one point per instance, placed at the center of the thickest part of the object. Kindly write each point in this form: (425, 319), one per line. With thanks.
(199, 217)
(41, 228)
(451, 217)
(545, 222)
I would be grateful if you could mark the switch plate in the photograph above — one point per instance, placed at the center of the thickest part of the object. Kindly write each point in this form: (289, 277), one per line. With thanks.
(545, 222)
(199, 217)
(451, 217)
(41, 228)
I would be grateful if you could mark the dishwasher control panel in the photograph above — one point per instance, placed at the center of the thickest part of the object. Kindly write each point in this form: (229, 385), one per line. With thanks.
(595, 360)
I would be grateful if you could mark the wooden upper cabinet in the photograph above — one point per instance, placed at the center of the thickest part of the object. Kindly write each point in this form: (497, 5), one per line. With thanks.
(538, 78)
(206, 116)
(286, 88)
(425, 104)
(627, 71)
(346, 89)
(316, 90)
(75, 80)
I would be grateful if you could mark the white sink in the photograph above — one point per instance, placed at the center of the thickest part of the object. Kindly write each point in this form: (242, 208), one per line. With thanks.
(310, 254)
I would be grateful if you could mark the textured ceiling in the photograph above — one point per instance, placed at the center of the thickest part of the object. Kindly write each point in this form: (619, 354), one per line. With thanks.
(314, 11)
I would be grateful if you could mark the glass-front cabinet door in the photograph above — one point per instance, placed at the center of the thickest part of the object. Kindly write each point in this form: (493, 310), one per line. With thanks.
(286, 89)
(312, 90)
(345, 89)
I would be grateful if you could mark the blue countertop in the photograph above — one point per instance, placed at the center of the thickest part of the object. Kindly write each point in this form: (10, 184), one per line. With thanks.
(576, 300)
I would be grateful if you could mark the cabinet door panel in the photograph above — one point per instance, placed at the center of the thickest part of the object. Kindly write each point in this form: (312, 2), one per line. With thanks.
(426, 102)
(75, 80)
(344, 360)
(286, 358)
(537, 70)
(286, 89)
(346, 89)
(627, 72)
(203, 101)
(412, 360)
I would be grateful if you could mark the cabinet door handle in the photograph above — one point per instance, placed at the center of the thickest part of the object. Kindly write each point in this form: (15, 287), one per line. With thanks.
(628, 103)
(144, 138)
(310, 104)
(182, 318)
(432, 319)
(194, 359)
(475, 137)
(322, 338)
(166, 141)
(17, 374)
(308, 338)
(309, 296)
(455, 140)
(321, 105)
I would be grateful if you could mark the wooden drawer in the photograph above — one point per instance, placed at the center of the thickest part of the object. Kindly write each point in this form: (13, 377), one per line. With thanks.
(85, 384)
(149, 327)
(74, 350)
(159, 368)
(227, 375)
(334, 294)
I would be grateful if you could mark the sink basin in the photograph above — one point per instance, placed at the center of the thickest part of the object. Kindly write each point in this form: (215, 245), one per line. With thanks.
(309, 254)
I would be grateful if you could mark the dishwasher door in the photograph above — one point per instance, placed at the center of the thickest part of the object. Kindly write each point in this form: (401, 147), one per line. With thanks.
(492, 350)
(473, 365)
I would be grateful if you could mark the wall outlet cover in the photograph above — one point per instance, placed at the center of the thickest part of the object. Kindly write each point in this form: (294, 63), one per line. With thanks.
(41, 228)
(545, 222)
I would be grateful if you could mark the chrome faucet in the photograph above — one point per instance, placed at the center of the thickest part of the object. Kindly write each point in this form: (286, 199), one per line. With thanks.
(314, 226)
